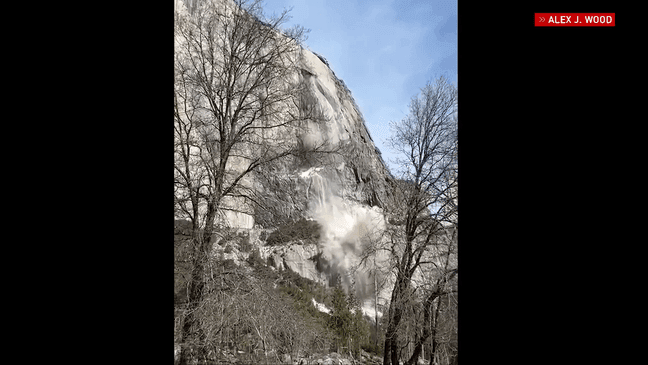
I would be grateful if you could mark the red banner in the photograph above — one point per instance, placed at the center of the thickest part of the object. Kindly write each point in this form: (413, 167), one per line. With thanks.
(574, 19)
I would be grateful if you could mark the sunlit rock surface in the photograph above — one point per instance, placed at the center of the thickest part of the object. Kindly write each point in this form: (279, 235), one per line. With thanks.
(357, 174)
(345, 192)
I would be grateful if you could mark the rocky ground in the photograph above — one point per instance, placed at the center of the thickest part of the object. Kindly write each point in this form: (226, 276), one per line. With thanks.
(334, 359)
(328, 359)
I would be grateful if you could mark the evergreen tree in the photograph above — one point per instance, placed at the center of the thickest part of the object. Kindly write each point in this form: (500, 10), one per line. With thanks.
(360, 332)
(341, 320)
(347, 321)
(359, 327)
(352, 299)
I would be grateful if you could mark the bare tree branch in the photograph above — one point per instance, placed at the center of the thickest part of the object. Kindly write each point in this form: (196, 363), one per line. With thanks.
(424, 215)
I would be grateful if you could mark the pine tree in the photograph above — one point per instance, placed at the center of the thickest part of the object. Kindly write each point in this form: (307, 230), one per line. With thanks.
(352, 299)
(359, 327)
(341, 320)
(347, 321)
(360, 332)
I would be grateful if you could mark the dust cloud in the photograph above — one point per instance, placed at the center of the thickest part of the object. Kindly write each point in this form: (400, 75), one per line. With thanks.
(348, 229)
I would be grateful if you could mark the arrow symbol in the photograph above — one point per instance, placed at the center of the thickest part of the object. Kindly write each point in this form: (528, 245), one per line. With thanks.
(542, 19)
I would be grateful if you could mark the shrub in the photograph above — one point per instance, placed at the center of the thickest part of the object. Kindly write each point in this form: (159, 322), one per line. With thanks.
(263, 235)
(299, 230)
(254, 259)
(244, 242)
(372, 348)
(182, 227)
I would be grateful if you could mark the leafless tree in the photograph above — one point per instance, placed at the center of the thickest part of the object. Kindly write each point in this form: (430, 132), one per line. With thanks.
(423, 213)
(437, 287)
(238, 106)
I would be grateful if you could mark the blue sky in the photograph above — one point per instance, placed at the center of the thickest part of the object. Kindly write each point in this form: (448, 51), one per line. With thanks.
(384, 50)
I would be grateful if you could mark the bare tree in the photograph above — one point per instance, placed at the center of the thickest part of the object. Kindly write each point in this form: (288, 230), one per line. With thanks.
(423, 215)
(438, 281)
(238, 106)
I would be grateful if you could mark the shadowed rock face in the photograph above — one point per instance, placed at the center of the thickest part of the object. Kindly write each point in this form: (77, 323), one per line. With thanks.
(357, 173)
(360, 171)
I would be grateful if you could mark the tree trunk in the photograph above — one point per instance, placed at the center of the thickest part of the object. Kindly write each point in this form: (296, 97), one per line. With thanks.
(395, 315)
(391, 340)
(433, 332)
(423, 351)
(415, 355)
(201, 247)
(394, 350)
(430, 321)
(386, 351)
(190, 330)
(376, 306)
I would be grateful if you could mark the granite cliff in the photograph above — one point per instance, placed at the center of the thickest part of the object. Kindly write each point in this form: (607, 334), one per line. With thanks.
(343, 191)
(357, 173)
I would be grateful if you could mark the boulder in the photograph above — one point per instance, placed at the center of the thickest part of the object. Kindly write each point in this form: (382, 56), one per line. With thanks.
(285, 358)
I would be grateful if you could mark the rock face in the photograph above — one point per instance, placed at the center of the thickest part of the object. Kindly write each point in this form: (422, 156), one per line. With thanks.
(344, 191)
(357, 173)
(360, 172)
(298, 258)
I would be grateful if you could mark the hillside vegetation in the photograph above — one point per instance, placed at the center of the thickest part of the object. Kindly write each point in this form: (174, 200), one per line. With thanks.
(253, 313)
(301, 230)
